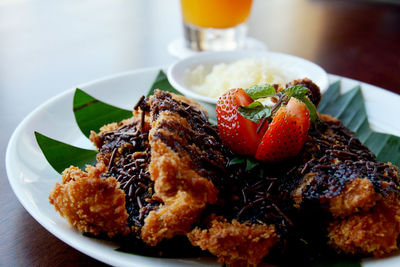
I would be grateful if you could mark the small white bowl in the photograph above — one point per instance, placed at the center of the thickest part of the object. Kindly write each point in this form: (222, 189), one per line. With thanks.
(293, 67)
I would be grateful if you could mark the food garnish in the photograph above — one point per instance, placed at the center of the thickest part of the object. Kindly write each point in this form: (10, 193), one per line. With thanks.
(261, 122)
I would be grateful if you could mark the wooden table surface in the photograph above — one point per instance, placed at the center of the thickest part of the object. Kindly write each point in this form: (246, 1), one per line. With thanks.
(49, 46)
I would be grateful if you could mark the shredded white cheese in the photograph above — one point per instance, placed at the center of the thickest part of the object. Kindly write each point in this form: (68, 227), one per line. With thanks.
(240, 74)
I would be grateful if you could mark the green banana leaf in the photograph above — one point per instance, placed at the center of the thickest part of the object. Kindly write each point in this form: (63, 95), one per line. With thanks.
(161, 82)
(90, 113)
(61, 155)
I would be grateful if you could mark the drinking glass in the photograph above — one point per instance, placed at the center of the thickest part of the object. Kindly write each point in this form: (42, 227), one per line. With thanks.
(215, 25)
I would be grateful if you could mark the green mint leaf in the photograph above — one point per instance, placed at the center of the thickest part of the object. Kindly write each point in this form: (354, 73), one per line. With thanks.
(310, 106)
(251, 164)
(296, 90)
(237, 160)
(255, 111)
(260, 91)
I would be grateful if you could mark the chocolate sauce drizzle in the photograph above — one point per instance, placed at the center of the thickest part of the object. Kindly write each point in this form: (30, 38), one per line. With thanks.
(337, 158)
(199, 139)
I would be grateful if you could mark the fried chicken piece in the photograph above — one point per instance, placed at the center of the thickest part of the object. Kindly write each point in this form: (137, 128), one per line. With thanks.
(165, 175)
(183, 192)
(174, 218)
(358, 195)
(110, 183)
(374, 232)
(234, 243)
(89, 203)
(344, 179)
(172, 170)
(179, 153)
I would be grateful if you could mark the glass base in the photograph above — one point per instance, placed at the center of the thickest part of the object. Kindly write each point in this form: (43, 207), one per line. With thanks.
(210, 39)
(178, 48)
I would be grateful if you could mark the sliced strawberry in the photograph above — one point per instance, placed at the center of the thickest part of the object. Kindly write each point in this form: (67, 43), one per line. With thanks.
(286, 134)
(300, 110)
(237, 132)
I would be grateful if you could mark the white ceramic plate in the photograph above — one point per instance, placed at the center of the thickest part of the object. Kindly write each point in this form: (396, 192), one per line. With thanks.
(32, 178)
(293, 68)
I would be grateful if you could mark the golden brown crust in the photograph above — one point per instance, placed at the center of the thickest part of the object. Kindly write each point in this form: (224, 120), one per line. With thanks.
(327, 118)
(374, 232)
(174, 218)
(234, 243)
(172, 173)
(358, 195)
(89, 203)
(184, 192)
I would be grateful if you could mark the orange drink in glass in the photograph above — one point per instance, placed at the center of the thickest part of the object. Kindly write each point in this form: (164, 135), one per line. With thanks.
(215, 24)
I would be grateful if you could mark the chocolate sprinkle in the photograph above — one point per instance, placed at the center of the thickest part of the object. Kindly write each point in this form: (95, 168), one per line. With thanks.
(140, 101)
(130, 154)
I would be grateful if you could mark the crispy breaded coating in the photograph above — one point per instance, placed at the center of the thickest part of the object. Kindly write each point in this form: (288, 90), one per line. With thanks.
(358, 195)
(171, 170)
(327, 118)
(89, 203)
(234, 243)
(174, 218)
(184, 192)
(374, 232)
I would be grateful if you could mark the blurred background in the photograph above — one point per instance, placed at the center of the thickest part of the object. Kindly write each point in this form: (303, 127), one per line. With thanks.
(49, 46)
